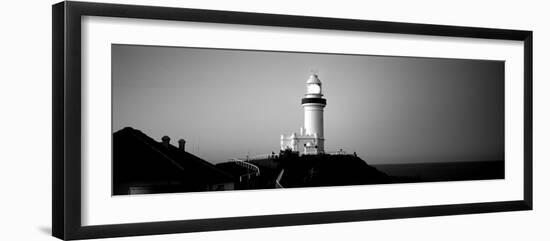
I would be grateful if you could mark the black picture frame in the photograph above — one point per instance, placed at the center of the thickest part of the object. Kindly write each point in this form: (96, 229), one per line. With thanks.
(66, 76)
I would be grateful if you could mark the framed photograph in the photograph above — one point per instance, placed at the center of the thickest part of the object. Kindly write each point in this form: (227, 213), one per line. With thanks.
(169, 120)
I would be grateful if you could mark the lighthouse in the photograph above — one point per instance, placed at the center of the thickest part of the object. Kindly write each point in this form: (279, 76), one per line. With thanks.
(311, 139)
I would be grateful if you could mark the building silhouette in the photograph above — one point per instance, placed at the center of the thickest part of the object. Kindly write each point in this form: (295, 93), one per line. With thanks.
(142, 165)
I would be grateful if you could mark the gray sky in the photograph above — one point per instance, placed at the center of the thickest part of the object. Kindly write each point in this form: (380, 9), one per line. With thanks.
(230, 103)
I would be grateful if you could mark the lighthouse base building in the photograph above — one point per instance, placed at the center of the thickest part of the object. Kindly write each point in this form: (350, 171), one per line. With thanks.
(303, 143)
(310, 140)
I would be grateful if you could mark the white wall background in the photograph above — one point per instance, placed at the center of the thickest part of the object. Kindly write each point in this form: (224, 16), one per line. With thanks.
(25, 123)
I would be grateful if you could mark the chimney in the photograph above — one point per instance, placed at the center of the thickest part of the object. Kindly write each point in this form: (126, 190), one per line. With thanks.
(181, 144)
(166, 141)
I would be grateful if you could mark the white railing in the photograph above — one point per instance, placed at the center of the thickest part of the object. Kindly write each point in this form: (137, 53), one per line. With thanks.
(340, 152)
(267, 156)
(278, 180)
(255, 169)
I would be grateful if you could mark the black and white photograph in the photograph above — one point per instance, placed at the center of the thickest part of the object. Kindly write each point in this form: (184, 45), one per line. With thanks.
(270, 120)
(187, 119)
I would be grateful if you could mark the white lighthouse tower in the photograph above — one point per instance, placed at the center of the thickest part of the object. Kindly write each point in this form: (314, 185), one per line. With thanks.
(311, 139)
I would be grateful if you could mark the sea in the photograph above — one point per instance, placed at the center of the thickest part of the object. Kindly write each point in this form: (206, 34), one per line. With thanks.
(443, 171)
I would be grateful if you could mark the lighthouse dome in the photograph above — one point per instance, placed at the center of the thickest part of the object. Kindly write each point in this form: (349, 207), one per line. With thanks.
(313, 79)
